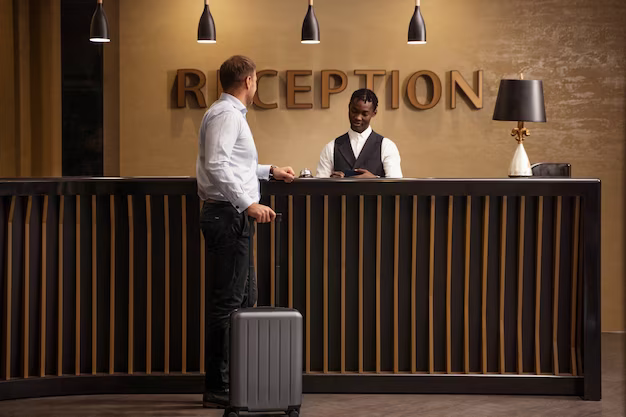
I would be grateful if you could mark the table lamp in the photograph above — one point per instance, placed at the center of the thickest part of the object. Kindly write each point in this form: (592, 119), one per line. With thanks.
(520, 101)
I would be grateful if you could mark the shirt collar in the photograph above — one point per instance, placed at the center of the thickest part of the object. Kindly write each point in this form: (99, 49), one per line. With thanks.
(364, 135)
(235, 102)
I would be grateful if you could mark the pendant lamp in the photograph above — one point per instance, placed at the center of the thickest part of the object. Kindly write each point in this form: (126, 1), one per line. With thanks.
(417, 28)
(99, 30)
(310, 27)
(206, 27)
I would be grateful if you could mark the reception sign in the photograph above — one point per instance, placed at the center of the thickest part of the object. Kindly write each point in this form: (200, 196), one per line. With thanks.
(192, 83)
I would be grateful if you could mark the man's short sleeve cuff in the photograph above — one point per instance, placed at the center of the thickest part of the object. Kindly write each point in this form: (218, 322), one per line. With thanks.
(242, 203)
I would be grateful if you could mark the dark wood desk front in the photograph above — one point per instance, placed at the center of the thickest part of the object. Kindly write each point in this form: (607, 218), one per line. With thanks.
(421, 286)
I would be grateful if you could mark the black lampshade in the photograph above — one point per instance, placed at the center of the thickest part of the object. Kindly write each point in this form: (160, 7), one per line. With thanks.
(206, 27)
(520, 101)
(99, 30)
(417, 28)
(310, 27)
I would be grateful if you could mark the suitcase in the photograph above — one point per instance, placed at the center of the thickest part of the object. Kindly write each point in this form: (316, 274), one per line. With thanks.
(266, 355)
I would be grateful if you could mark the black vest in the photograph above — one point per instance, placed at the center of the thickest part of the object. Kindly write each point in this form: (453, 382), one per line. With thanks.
(369, 158)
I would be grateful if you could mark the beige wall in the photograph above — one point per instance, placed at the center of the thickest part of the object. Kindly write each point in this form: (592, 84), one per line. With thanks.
(577, 47)
(8, 151)
(30, 88)
(111, 99)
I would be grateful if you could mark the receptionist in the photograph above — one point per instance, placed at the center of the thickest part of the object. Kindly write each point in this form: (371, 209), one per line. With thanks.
(361, 152)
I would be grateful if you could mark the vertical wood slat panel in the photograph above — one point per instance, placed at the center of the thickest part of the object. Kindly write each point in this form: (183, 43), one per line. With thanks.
(308, 283)
(184, 283)
(26, 294)
(557, 272)
(538, 287)
(273, 255)
(414, 288)
(60, 289)
(148, 286)
(94, 286)
(44, 284)
(343, 284)
(203, 294)
(520, 283)
(131, 286)
(502, 280)
(538, 278)
(77, 286)
(468, 231)
(112, 290)
(9, 290)
(361, 237)
(325, 287)
(379, 210)
(290, 255)
(575, 284)
(166, 216)
(579, 304)
(396, 256)
(485, 270)
(449, 284)
(431, 281)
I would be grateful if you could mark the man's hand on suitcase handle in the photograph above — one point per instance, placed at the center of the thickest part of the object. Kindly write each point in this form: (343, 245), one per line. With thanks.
(261, 213)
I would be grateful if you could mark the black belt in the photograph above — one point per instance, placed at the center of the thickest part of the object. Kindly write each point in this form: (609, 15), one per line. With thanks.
(211, 201)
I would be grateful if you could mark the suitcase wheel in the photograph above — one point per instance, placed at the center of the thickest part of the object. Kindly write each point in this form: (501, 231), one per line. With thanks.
(231, 413)
(294, 413)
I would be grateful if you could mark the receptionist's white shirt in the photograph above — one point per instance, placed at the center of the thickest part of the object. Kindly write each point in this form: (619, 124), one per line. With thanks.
(389, 155)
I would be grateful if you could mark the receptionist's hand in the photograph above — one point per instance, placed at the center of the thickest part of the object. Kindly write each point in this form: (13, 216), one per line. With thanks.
(364, 174)
(337, 174)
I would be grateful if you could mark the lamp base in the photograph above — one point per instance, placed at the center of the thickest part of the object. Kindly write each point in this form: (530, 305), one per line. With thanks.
(520, 165)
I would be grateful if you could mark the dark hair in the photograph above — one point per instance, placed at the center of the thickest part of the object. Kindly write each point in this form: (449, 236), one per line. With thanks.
(235, 69)
(365, 95)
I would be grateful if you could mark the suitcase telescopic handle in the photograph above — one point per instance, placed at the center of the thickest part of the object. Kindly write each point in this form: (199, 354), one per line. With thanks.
(251, 271)
(277, 223)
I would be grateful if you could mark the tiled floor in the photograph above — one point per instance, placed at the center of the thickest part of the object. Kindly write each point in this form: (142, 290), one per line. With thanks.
(613, 403)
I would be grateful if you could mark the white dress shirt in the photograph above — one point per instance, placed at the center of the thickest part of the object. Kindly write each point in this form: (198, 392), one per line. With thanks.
(227, 167)
(389, 155)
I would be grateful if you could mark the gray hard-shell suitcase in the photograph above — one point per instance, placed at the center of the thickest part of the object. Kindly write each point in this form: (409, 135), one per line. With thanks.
(266, 355)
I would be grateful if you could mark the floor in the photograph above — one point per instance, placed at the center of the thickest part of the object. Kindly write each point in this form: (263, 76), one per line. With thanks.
(613, 403)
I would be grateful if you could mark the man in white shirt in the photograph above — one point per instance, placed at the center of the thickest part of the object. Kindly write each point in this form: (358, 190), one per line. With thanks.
(228, 174)
(360, 153)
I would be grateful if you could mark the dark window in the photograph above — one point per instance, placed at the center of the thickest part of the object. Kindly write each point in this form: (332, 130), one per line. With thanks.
(81, 66)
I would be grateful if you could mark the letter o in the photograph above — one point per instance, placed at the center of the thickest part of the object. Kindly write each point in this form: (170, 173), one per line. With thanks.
(436, 90)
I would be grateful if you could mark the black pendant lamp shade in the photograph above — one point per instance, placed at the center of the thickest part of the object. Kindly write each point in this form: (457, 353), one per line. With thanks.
(417, 28)
(520, 101)
(206, 27)
(99, 30)
(310, 27)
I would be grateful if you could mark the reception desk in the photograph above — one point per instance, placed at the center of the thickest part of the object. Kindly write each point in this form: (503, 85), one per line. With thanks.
(477, 286)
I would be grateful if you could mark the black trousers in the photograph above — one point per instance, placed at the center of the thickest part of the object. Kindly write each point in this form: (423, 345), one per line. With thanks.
(229, 286)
